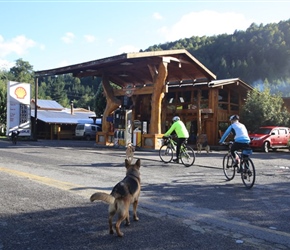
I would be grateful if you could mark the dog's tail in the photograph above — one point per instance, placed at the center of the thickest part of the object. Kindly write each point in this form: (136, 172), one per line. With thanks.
(102, 197)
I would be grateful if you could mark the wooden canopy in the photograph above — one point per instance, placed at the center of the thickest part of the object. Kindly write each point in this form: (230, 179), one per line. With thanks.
(139, 68)
(149, 71)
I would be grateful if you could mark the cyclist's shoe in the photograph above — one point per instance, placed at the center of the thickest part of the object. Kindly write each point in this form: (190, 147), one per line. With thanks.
(240, 169)
(236, 164)
(176, 160)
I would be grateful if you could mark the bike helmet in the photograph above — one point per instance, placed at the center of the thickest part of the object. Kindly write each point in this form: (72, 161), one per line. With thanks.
(175, 118)
(234, 117)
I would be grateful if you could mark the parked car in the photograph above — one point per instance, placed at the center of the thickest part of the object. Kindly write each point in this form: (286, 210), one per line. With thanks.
(270, 137)
(87, 131)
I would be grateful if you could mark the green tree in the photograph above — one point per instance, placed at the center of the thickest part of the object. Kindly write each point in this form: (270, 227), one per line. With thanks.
(262, 108)
(55, 90)
(22, 72)
(3, 98)
(3, 102)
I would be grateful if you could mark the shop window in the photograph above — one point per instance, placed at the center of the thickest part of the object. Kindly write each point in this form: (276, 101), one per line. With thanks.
(223, 106)
(223, 99)
(184, 96)
(222, 127)
(194, 97)
(170, 97)
(235, 108)
(204, 99)
(223, 95)
(234, 97)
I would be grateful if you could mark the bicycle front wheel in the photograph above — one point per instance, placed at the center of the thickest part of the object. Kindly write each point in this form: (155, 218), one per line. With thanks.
(187, 156)
(166, 153)
(228, 167)
(249, 173)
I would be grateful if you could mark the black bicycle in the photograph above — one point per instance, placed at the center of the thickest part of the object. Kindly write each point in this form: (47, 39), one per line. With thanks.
(168, 149)
(246, 167)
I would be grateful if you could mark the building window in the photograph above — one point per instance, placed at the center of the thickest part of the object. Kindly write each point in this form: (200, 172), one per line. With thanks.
(204, 99)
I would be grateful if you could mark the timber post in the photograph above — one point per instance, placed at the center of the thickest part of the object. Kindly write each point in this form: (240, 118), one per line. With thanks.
(157, 96)
(112, 103)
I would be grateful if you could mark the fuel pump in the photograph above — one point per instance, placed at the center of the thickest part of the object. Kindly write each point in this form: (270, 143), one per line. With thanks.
(122, 127)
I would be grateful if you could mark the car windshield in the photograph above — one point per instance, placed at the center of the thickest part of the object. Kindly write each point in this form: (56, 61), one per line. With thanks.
(263, 131)
(80, 126)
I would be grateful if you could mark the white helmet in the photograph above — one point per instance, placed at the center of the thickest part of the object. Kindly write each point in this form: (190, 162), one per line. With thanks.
(234, 118)
(175, 118)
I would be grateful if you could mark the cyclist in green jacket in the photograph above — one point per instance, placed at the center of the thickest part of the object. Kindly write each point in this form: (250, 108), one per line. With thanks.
(181, 132)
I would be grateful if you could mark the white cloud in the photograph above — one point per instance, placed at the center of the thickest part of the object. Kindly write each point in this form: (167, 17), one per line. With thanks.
(128, 49)
(18, 45)
(110, 41)
(157, 16)
(6, 65)
(205, 23)
(68, 37)
(89, 38)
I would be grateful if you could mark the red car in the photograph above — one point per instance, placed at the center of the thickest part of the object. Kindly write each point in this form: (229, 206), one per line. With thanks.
(267, 137)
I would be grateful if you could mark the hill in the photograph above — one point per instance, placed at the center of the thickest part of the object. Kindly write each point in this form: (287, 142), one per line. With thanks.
(259, 55)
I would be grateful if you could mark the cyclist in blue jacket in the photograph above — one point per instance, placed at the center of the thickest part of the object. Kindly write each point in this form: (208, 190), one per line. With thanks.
(241, 137)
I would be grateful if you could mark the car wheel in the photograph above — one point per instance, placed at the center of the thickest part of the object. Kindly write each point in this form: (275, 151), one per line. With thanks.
(88, 137)
(266, 147)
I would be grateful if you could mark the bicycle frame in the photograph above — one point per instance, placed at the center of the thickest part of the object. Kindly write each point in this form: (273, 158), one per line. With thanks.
(246, 167)
(173, 144)
(186, 155)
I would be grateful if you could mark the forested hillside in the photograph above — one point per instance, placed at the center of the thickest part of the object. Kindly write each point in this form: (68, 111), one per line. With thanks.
(259, 54)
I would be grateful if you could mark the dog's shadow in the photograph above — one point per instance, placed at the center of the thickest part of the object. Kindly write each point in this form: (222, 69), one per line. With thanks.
(99, 164)
(92, 188)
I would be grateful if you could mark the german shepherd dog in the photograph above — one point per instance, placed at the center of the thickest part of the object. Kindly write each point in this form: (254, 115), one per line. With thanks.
(126, 192)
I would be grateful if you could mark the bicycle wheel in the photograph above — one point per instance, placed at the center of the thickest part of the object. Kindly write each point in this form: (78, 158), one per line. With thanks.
(249, 173)
(166, 153)
(228, 167)
(187, 156)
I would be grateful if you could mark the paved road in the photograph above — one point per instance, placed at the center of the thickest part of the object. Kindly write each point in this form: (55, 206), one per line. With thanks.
(45, 186)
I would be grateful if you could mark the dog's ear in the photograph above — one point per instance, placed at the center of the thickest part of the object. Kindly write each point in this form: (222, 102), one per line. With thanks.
(138, 163)
(127, 163)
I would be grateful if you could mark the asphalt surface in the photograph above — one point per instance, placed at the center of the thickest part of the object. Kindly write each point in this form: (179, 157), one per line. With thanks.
(47, 207)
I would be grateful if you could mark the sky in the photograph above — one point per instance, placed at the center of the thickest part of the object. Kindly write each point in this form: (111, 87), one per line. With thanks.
(55, 33)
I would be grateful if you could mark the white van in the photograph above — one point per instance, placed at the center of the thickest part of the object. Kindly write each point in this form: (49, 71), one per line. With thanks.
(87, 131)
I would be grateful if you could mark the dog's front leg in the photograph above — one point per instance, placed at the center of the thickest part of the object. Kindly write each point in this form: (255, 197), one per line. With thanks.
(135, 204)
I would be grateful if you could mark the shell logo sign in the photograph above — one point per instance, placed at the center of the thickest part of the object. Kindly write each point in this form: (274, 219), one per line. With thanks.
(20, 92)
(18, 108)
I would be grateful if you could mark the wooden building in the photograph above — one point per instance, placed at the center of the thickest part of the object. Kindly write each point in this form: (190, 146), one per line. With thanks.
(56, 122)
(159, 85)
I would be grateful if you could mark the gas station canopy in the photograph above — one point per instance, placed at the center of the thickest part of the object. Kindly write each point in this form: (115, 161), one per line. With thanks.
(139, 68)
